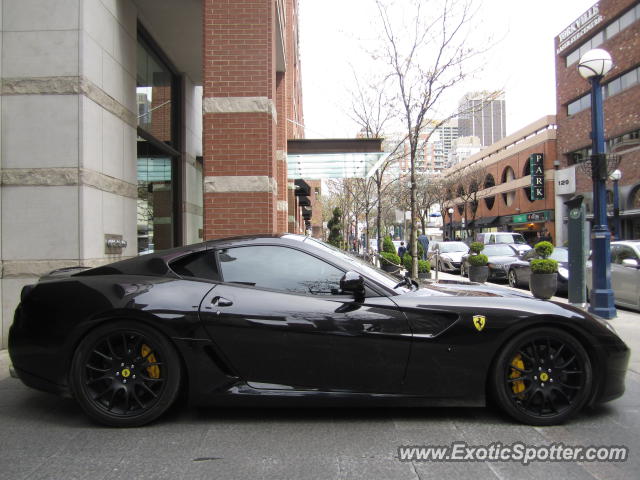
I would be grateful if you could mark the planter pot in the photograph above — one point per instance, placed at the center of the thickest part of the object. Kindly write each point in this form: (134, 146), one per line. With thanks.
(543, 285)
(478, 274)
(424, 274)
(388, 267)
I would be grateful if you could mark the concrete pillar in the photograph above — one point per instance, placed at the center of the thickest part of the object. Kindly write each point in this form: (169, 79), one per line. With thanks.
(68, 137)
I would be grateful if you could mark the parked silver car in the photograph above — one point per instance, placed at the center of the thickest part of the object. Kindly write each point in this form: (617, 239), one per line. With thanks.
(450, 255)
(625, 273)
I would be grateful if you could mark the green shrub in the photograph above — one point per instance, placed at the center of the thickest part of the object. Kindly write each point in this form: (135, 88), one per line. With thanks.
(406, 261)
(478, 260)
(544, 265)
(390, 258)
(388, 246)
(544, 249)
(424, 266)
(476, 247)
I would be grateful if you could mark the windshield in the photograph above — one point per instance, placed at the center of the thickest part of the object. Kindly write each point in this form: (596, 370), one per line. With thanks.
(560, 254)
(369, 270)
(495, 250)
(450, 247)
(510, 238)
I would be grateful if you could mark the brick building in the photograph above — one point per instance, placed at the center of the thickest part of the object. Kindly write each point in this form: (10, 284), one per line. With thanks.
(504, 196)
(613, 25)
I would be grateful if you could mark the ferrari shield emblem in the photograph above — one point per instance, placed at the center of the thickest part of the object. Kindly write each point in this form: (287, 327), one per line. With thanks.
(479, 321)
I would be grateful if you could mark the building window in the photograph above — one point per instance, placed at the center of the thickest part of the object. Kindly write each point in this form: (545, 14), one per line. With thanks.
(612, 29)
(615, 145)
(580, 104)
(159, 159)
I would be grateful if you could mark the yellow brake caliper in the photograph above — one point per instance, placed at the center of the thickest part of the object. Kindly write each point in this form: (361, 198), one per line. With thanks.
(517, 386)
(152, 370)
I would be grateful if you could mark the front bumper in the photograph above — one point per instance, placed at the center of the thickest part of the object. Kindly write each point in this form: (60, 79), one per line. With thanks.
(616, 356)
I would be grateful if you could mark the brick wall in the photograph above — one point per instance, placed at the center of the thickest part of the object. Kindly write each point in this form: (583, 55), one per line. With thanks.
(239, 140)
(621, 112)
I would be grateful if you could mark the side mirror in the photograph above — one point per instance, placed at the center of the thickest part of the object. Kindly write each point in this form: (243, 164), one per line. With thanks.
(630, 262)
(353, 282)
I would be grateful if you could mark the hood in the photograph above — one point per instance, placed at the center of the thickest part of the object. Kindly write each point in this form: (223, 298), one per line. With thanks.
(454, 256)
(502, 259)
(465, 289)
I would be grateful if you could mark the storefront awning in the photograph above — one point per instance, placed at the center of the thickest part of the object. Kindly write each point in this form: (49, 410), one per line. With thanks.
(334, 158)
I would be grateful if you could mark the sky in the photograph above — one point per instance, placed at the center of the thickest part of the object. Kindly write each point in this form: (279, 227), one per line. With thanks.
(334, 36)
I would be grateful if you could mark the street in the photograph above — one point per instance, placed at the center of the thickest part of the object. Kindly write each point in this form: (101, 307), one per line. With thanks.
(44, 436)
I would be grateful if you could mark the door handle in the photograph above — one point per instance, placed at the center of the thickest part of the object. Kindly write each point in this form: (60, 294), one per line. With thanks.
(221, 302)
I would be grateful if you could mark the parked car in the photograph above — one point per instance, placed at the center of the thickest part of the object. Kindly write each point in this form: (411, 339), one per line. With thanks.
(520, 270)
(450, 255)
(625, 273)
(289, 320)
(501, 256)
(516, 240)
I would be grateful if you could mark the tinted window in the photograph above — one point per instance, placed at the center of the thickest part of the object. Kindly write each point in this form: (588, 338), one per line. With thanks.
(200, 265)
(279, 268)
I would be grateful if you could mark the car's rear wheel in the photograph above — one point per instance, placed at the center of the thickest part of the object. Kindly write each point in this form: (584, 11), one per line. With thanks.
(125, 374)
(542, 377)
(513, 278)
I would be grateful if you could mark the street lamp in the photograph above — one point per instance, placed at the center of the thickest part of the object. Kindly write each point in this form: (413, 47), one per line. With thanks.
(594, 65)
(450, 223)
(615, 176)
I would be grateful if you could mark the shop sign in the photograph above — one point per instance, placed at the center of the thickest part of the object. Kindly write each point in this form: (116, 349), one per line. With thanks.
(537, 176)
(530, 217)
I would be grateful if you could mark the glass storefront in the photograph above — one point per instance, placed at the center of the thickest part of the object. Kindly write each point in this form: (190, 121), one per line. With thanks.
(158, 151)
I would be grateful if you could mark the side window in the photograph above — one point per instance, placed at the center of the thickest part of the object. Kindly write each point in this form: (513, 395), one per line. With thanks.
(615, 251)
(279, 268)
(199, 265)
(624, 253)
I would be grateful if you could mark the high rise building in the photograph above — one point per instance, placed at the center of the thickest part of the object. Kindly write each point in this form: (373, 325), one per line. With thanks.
(482, 115)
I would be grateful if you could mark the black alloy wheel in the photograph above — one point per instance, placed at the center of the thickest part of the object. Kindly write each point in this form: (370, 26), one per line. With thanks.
(125, 374)
(542, 377)
(513, 278)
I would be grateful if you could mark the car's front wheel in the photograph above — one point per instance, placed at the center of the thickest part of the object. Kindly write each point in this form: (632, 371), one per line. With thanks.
(513, 278)
(125, 374)
(542, 376)
(463, 273)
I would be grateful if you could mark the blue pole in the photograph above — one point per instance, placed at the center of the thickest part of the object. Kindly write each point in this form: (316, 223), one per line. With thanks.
(601, 292)
(616, 210)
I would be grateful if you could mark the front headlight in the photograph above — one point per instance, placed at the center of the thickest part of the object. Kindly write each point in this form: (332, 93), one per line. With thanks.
(564, 272)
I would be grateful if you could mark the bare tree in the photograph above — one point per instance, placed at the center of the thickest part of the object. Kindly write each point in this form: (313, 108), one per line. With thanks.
(468, 183)
(426, 57)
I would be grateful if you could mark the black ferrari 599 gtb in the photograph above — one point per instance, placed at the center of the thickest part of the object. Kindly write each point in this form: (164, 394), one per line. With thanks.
(288, 320)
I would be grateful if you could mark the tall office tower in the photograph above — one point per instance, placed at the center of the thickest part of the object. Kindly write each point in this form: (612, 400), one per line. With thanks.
(482, 115)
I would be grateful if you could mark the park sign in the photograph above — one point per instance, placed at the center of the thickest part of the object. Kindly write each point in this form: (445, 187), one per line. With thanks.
(537, 176)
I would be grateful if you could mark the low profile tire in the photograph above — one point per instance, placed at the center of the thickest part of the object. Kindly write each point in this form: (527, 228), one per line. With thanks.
(125, 374)
(542, 377)
(513, 279)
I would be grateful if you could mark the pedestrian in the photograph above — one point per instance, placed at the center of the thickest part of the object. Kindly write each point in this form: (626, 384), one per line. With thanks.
(402, 250)
(424, 241)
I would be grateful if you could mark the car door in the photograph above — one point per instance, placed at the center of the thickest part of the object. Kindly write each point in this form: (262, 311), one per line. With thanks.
(281, 321)
(625, 280)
